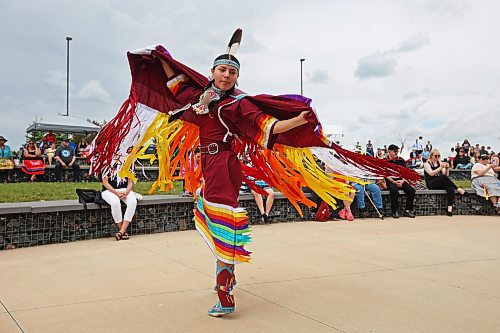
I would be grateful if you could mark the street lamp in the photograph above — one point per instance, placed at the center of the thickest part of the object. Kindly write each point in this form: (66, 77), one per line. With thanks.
(67, 75)
(301, 84)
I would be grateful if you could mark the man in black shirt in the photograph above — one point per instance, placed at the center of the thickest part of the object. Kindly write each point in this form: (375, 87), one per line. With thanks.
(394, 184)
(65, 158)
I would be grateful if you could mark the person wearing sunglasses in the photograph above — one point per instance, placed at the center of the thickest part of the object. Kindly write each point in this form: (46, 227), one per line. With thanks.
(437, 178)
(484, 181)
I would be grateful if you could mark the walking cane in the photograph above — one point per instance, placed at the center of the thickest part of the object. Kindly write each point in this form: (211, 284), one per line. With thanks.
(373, 204)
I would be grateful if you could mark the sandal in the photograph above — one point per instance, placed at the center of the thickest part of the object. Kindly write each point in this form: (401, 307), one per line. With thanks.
(118, 236)
(125, 236)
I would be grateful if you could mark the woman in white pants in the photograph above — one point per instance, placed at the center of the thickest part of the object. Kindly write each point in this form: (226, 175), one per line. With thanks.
(114, 191)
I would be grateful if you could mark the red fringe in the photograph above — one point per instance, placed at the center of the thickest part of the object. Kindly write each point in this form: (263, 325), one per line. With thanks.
(111, 135)
(376, 166)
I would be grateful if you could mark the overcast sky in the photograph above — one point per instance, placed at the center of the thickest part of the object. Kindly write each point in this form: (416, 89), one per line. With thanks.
(374, 69)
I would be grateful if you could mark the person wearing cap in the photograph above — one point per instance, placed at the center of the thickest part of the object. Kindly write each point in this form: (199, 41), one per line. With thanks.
(484, 181)
(437, 178)
(65, 158)
(394, 184)
(6, 158)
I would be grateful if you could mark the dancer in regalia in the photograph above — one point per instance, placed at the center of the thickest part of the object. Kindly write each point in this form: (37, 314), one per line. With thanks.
(275, 136)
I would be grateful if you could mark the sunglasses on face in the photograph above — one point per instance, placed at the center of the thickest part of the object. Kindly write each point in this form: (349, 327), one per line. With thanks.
(437, 155)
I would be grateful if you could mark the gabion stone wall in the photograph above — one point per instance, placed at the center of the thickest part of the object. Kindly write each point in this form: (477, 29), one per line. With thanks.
(30, 229)
(70, 222)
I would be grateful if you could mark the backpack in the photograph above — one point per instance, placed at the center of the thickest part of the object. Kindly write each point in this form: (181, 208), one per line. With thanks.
(323, 212)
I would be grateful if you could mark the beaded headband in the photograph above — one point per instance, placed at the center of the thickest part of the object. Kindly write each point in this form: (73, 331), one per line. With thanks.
(226, 62)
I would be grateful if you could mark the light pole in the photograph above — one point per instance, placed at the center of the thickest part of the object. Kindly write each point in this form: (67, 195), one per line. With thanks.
(301, 83)
(67, 75)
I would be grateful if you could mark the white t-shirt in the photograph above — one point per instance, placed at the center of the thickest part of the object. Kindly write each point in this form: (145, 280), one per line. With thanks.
(452, 154)
(479, 167)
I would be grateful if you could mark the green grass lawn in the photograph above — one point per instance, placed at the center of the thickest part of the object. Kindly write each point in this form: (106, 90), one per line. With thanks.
(21, 192)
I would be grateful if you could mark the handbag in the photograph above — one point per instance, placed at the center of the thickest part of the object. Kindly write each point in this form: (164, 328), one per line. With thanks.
(86, 196)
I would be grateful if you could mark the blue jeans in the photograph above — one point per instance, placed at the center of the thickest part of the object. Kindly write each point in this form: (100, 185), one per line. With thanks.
(464, 166)
(374, 190)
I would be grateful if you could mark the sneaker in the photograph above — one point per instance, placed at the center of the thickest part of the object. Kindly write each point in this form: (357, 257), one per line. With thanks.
(219, 311)
(343, 214)
(363, 213)
(409, 213)
(395, 215)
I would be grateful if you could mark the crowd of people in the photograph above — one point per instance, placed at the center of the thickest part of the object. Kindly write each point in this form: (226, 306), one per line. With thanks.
(482, 161)
(33, 157)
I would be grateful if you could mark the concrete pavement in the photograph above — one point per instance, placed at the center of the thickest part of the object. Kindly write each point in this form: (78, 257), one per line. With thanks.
(429, 274)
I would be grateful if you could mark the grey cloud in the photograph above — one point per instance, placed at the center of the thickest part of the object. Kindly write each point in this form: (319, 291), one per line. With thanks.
(93, 91)
(422, 93)
(447, 7)
(412, 44)
(383, 64)
(375, 65)
(319, 76)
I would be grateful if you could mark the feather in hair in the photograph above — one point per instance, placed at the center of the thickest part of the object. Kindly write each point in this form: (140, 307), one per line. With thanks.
(234, 42)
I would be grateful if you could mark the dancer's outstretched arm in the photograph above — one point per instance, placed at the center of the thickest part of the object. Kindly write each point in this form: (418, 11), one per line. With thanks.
(288, 124)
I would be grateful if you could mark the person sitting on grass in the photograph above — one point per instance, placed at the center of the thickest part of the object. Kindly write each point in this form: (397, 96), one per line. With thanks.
(114, 191)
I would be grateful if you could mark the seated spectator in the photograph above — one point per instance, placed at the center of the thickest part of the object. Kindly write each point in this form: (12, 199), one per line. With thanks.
(346, 213)
(6, 158)
(114, 191)
(495, 160)
(466, 145)
(413, 153)
(32, 161)
(380, 153)
(395, 184)
(483, 151)
(475, 157)
(484, 181)
(65, 158)
(452, 155)
(369, 148)
(437, 178)
(50, 153)
(426, 153)
(462, 161)
(82, 148)
(428, 146)
(264, 213)
(49, 138)
(375, 192)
